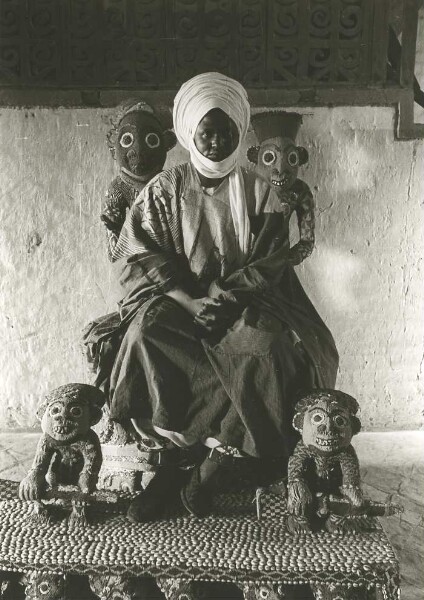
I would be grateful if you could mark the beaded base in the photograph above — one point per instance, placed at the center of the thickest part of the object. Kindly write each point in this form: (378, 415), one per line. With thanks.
(229, 546)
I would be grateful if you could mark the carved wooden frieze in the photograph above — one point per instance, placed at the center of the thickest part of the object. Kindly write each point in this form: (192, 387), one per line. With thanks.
(157, 44)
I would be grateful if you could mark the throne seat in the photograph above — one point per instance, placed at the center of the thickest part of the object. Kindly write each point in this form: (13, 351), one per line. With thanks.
(232, 545)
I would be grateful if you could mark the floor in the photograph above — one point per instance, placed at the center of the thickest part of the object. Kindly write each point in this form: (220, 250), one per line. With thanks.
(392, 464)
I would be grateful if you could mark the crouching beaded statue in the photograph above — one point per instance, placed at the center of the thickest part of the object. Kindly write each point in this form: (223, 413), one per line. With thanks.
(68, 452)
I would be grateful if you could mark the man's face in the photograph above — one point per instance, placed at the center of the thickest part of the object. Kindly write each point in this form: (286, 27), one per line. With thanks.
(140, 148)
(278, 162)
(66, 419)
(216, 135)
(327, 427)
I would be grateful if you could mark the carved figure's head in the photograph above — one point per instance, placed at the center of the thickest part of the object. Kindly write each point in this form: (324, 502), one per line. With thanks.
(139, 142)
(277, 157)
(69, 411)
(43, 585)
(327, 420)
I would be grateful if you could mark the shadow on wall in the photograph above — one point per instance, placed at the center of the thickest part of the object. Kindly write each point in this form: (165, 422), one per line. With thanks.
(336, 279)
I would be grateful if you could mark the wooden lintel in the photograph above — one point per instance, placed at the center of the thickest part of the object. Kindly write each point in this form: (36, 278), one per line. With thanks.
(336, 96)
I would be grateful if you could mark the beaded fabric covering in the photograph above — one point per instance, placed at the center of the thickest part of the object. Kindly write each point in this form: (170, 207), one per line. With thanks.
(230, 546)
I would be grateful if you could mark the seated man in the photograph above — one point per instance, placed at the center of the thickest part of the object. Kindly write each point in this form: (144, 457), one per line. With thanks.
(219, 335)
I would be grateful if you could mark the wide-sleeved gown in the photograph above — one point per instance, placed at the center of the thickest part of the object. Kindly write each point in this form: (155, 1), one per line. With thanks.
(239, 385)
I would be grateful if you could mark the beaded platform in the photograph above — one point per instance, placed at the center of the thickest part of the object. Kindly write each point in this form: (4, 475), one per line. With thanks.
(232, 545)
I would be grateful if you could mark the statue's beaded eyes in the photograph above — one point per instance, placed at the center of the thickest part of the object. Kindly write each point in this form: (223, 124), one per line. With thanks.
(55, 409)
(293, 158)
(340, 421)
(44, 587)
(317, 418)
(269, 157)
(152, 140)
(76, 411)
(127, 140)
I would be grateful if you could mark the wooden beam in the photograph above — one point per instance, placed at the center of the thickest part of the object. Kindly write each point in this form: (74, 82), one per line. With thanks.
(307, 96)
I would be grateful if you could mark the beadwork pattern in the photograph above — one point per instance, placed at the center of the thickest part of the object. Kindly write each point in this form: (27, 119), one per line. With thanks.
(229, 546)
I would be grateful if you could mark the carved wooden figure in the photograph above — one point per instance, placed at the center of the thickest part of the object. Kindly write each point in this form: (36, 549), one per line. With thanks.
(277, 159)
(113, 587)
(139, 143)
(340, 592)
(179, 589)
(68, 452)
(47, 586)
(324, 461)
(261, 591)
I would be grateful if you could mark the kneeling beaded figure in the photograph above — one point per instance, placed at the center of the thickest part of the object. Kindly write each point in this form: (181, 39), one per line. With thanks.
(324, 461)
(68, 452)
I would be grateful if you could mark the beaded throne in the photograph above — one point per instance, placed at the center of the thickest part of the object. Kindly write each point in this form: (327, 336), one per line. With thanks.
(262, 557)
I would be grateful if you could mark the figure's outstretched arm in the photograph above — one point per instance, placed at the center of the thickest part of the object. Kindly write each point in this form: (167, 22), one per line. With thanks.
(92, 456)
(31, 487)
(114, 211)
(299, 496)
(306, 223)
(351, 487)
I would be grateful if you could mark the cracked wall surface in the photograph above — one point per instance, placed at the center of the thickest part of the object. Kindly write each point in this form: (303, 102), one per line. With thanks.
(364, 277)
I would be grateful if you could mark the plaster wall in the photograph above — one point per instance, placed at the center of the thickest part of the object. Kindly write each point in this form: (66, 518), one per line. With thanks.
(365, 276)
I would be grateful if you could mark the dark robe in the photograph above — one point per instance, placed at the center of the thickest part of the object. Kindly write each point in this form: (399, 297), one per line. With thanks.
(237, 386)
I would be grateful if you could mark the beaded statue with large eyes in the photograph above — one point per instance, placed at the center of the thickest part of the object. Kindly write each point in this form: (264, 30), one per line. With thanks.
(68, 451)
(324, 461)
(45, 586)
(139, 143)
(277, 159)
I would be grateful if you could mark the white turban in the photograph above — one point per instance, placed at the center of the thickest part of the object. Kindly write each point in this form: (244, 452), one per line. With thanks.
(197, 97)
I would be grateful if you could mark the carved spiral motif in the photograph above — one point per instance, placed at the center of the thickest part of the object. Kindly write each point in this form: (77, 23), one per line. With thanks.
(9, 63)
(218, 24)
(285, 65)
(251, 23)
(160, 43)
(320, 21)
(251, 65)
(288, 57)
(148, 67)
(349, 64)
(42, 21)
(319, 63)
(149, 23)
(83, 18)
(9, 19)
(286, 25)
(351, 21)
(187, 26)
(116, 21)
(43, 61)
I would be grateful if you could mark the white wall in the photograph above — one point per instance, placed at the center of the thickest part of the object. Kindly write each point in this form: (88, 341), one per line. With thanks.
(364, 276)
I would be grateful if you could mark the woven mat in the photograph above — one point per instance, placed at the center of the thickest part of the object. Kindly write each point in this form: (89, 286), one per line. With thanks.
(231, 545)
